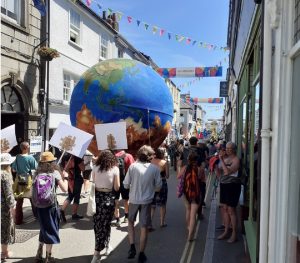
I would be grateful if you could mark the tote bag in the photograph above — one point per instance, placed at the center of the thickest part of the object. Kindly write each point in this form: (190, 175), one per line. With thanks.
(91, 207)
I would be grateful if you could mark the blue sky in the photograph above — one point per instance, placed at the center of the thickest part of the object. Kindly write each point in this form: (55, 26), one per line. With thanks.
(201, 20)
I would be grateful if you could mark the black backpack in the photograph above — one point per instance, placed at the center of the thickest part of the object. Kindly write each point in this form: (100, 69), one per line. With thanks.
(121, 161)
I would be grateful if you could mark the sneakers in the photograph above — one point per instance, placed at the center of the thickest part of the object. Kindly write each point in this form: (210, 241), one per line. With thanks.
(76, 217)
(142, 257)
(108, 250)
(131, 252)
(125, 221)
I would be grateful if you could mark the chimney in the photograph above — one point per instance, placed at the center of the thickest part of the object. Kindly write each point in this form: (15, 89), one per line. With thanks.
(104, 15)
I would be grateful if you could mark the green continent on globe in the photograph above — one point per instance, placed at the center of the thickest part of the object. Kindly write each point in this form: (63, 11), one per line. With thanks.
(116, 73)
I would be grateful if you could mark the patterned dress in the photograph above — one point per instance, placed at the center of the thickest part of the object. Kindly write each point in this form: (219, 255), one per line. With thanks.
(7, 201)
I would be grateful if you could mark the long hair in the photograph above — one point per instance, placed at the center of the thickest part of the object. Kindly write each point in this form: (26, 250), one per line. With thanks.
(106, 160)
(47, 167)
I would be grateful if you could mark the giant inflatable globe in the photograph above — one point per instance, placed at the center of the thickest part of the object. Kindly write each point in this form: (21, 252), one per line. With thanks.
(123, 90)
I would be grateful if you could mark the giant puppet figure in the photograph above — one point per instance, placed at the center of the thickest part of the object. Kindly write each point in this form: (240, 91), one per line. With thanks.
(123, 90)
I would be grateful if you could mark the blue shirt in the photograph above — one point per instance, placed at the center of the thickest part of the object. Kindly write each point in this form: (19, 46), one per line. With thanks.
(24, 164)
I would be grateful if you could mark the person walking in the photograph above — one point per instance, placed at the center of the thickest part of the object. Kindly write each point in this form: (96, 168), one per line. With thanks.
(73, 167)
(161, 197)
(48, 216)
(23, 166)
(106, 177)
(143, 179)
(88, 166)
(124, 160)
(191, 191)
(230, 190)
(8, 206)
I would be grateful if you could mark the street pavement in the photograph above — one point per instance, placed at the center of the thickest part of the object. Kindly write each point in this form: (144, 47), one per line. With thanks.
(168, 244)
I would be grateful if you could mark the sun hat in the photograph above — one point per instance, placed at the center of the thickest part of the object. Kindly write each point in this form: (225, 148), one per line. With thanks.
(6, 158)
(47, 157)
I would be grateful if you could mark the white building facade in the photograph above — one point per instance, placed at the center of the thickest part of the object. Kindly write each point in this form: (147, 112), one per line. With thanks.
(82, 39)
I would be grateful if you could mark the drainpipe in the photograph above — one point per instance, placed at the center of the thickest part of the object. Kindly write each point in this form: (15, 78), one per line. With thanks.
(265, 136)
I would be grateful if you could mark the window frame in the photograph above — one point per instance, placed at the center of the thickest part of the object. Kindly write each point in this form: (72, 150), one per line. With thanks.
(72, 81)
(75, 29)
(21, 21)
(102, 37)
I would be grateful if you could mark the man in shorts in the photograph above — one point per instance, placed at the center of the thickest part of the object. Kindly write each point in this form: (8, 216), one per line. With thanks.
(125, 160)
(143, 179)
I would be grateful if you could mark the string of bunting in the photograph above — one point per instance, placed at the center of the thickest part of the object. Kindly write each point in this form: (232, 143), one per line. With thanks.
(188, 99)
(156, 29)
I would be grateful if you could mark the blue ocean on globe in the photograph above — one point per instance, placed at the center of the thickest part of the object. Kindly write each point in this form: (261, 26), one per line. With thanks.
(123, 90)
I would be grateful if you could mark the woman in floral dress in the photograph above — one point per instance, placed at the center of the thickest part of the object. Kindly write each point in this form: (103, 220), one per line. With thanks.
(8, 205)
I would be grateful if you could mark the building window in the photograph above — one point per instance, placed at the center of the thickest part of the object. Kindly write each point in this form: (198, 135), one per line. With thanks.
(69, 83)
(13, 10)
(74, 27)
(10, 100)
(297, 21)
(103, 47)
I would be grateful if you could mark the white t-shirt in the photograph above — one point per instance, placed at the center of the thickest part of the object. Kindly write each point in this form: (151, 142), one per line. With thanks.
(105, 179)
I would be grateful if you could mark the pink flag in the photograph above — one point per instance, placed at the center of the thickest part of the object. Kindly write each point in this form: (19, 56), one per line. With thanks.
(88, 2)
(129, 18)
(161, 32)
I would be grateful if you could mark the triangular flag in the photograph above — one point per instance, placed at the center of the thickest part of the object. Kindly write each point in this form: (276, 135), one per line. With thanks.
(138, 22)
(161, 32)
(169, 35)
(88, 2)
(154, 29)
(109, 11)
(99, 6)
(119, 16)
(181, 38)
(177, 37)
(194, 42)
(129, 18)
(188, 40)
(146, 26)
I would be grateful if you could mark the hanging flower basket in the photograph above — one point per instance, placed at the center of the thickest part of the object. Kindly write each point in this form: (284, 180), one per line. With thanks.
(48, 53)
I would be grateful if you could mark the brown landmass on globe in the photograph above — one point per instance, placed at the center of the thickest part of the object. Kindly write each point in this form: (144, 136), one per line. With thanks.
(136, 135)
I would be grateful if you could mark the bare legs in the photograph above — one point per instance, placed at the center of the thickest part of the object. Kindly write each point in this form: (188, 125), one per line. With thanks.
(190, 217)
(229, 216)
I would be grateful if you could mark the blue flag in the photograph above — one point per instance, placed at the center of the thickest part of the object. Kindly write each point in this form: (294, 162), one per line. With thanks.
(40, 5)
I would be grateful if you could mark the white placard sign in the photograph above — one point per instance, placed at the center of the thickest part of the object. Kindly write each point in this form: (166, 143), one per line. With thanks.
(116, 132)
(8, 138)
(36, 143)
(71, 139)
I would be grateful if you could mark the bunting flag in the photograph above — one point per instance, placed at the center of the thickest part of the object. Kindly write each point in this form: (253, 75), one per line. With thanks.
(203, 100)
(88, 2)
(40, 5)
(178, 37)
(190, 72)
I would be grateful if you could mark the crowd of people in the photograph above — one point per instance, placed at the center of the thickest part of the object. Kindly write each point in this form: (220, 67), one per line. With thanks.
(140, 182)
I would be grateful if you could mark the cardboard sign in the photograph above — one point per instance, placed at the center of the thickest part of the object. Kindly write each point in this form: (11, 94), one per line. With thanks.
(8, 138)
(111, 136)
(71, 139)
(36, 143)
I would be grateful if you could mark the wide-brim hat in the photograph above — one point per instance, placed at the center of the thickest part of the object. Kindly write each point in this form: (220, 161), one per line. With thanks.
(47, 157)
(6, 158)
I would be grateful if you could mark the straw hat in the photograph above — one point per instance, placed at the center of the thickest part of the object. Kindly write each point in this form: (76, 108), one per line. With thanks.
(6, 158)
(47, 157)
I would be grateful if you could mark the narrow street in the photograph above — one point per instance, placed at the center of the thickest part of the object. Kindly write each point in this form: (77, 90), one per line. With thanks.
(166, 244)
